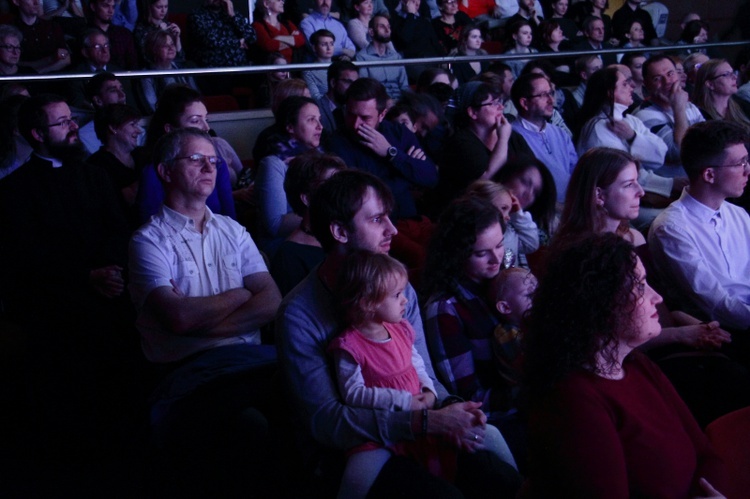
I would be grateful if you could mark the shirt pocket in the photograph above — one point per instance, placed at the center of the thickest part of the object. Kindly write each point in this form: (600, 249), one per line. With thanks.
(230, 271)
(187, 277)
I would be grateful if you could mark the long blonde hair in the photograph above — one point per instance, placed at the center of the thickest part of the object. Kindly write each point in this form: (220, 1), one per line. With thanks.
(703, 97)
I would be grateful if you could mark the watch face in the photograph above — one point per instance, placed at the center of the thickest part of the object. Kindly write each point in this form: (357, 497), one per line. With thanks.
(392, 151)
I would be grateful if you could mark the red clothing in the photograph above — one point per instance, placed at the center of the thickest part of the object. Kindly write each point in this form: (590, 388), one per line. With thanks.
(266, 34)
(477, 7)
(594, 437)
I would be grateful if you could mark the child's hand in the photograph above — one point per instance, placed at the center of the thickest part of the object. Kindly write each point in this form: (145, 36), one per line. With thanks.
(422, 401)
(515, 205)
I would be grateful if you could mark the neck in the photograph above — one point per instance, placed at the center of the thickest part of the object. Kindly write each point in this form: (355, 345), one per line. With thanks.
(102, 25)
(611, 225)
(554, 45)
(364, 19)
(28, 20)
(272, 18)
(166, 64)
(155, 22)
(8, 69)
(704, 194)
(448, 18)
(522, 48)
(470, 51)
(194, 209)
(614, 371)
(120, 151)
(536, 121)
(721, 104)
(380, 48)
(373, 330)
(486, 135)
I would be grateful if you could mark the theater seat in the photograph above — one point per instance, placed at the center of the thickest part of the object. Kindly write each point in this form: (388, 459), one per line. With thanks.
(729, 436)
(220, 103)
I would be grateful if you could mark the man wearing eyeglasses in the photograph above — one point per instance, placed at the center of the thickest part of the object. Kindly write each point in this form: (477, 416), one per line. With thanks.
(700, 242)
(123, 53)
(667, 111)
(534, 99)
(201, 292)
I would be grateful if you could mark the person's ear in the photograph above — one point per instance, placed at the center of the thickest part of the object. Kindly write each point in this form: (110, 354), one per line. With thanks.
(473, 114)
(382, 115)
(305, 199)
(97, 101)
(599, 196)
(524, 103)
(289, 129)
(37, 134)
(164, 172)
(709, 175)
(112, 129)
(503, 307)
(168, 128)
(339, 232)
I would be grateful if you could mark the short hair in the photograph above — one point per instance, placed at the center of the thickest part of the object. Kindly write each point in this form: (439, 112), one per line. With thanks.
(304, 176)
(704, 144)
(33, 114)
(587, 22)
(582, 63)
(628, 58)
(170, 146)
(88, 33)
(336, 68)
(371, 24)
(499, 285)
(289, 109)
(499, 68)
(427, 76)
(363, 282)
(420, 105)
(339, 198)
(172, 103)
(319, 34)
(651, 61)
(94, 85)
(523, 87)
(365, 89)
(10, 30)
(287, 88)
(546, 28)
(113, 115)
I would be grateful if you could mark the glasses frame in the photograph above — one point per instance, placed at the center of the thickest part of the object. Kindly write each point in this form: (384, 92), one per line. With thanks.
(198, 158)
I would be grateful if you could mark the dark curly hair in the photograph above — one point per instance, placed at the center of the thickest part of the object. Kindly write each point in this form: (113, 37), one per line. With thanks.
(452, 243)
(580, 310)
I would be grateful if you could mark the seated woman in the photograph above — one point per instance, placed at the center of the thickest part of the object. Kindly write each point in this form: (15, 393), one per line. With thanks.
(181, 107)
(552, 41)
(275, 33)
(449, 25)
(520, 41)
(465, 254)
(715, 85)
(301, 251)
(284, 88)
(469, 43)
(298, 123)
(694, 32)
(160, 51)
(268, 87)
(634, 36)
(117, 127)
(154, 18)
(604, 421)
(559, 11)
(604, 196)
(605, 124)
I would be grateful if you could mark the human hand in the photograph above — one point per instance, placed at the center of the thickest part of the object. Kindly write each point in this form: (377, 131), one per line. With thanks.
(416, 152)
(374, 140)
(463, 424)
(622, 129)
(175, 289)
(704, 336)
(708, 492)
(678, 98)
(174, 30)
(107, 281)
(419, 402)
(243, 44)
(515, 204)
(503, 127)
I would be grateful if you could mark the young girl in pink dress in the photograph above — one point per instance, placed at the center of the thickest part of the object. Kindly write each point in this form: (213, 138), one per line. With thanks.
(377, 365)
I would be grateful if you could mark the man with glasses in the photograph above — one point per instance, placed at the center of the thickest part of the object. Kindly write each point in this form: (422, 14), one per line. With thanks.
(667, 111)
(534, 99)
(700, 242)
(202, 292)
(101, 13)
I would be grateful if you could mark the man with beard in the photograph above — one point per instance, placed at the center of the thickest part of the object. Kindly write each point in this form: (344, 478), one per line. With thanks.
(62, 256)
(340, 75)
(380, 49)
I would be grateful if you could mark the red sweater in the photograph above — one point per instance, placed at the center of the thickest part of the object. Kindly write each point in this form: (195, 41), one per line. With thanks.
(266, 34)
(634, 437)
(477, 7)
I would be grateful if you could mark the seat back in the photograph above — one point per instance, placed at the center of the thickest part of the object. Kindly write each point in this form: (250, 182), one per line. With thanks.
(730, 437)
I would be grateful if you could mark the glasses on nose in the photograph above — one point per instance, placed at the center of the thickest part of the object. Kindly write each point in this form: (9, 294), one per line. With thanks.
(496, 103)
(744, 163)
(729, 74)
(12, 48)
(65, 123)
(100, 46)
(198, 159)
(546, 95)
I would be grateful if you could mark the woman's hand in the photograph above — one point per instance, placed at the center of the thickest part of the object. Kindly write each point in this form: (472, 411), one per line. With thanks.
(704, 336)
(622, 129)
(503, 127)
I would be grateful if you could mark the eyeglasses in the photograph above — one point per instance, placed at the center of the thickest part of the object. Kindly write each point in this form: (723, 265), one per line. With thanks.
(100, 46)
(546, 95)
(13, 48)
(729, 74)
(450, 2)
(744, 163)
(198, 158)
(65, 123)
(496, 103)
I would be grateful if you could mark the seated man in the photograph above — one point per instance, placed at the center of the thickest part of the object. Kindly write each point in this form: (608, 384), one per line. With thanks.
(101, 90)
(43, 42)
(340, 75)
(413, 36)
(380, 49)
(101, 13)
(202, 291)
(350, 212)
(321, 18)
(700, 242)
(667, 112)
(385, 149)
(593, 39)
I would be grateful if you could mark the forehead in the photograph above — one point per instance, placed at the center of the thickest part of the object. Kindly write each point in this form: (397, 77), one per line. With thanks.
(324, 39)
(348, 74)
(524, 30)
(661, 67)
(111, 84)
(57, 110)
(196, 108)
(372, 204)
(362, 107)
(598, 24)
(540, 85)
(197, 144)
(97, 38)
(381, 21)
(735, 152)
(10, 40)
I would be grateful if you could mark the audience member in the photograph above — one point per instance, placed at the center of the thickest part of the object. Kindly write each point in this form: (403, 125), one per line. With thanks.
(585, 66)
(181, 107)
(387, 150)
(42, 42)
(202, 292)
(520, 42)
(586, 384)
(154, 18)
(393, 78)
(299, 118)
(559, 14)
(161, 51)
(101, 90)
(566, 108)
(126, 13)
(469, 44)
(580, 11)
(340, 75)
(534, 99)
(301, 252)
(552, 40)
(285, 88)
(622, 21)
(449, 25)
(323, 42)
(634, 35)
(699, 243)
(635, 61)
(321, 19)
(342, 212)
(691, 64)
(359, 24)
(527, 11)
(593, 40)
(219, 36)
(695, 32)
(715, 86)
(667, 112)
(122, 45)
(267, 88)
(414, 37)
(505, 9)
(274, 32)
(10, 52)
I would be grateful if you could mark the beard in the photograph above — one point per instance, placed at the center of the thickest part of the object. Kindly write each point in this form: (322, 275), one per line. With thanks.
(66, 152)
(381, 39)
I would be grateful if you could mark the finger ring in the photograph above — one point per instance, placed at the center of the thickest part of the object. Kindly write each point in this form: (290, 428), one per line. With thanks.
(476, 437)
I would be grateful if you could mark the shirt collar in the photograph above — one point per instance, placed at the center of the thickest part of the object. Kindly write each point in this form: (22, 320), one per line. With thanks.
(532, 127)
(696, 208)
(56, 163)
(180, 222)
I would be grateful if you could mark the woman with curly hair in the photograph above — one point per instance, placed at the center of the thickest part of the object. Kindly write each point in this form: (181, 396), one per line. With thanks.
(604, 421)
(715, 86)
(466, 252)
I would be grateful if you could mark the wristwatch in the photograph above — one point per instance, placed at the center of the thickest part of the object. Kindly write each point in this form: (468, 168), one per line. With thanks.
(392, 152)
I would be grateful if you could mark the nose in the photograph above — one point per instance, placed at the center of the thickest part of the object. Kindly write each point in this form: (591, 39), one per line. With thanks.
(390, 229)
(656, 297)
(207, 165)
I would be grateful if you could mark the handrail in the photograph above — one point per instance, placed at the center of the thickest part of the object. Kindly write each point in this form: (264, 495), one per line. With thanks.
(399, 62)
